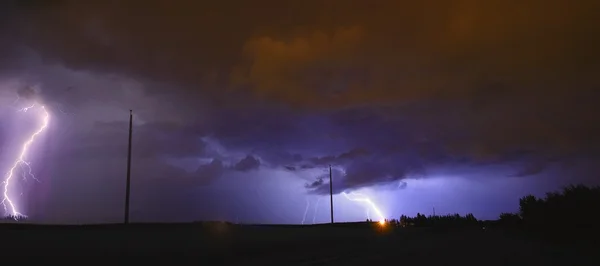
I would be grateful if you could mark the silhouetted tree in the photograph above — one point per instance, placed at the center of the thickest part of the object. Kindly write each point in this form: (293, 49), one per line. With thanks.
(404, 220)
(575, 206)
(529, 207)
(509, 219)
(470, 218)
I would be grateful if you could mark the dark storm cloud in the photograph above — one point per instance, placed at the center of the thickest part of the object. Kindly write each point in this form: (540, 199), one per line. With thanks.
(340, 159)
(371, 171)
(316, 184)
(247, 164)
(26, 92)
(108, 139)
(210, 172)
(303, 84)
(153, 144)
(531, 168)
(305, 48)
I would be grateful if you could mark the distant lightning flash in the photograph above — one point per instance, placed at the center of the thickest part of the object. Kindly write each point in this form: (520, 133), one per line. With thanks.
(316, 208)
(355, 196)
(7, 203)
(305, 210)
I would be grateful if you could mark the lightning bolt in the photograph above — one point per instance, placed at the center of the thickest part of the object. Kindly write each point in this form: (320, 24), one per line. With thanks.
(358, 197)
(7, 203)
(316, 208)
(305, 210)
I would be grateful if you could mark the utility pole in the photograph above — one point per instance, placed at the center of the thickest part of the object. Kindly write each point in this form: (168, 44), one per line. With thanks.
(128, 185)
(331, 193)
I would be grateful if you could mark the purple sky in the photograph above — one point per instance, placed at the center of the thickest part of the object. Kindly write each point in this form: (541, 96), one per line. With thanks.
(240, 106)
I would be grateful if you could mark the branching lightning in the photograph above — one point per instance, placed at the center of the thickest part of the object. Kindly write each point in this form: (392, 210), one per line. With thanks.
(20, 162)
(358, 197)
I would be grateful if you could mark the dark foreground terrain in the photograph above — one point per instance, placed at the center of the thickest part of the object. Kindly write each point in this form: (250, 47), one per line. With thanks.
(343, 244)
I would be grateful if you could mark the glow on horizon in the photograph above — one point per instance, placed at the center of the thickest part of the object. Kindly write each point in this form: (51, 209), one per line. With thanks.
(7, 203)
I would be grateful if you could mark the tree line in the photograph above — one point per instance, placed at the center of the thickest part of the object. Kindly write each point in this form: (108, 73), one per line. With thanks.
(573, 206)
(421, 220)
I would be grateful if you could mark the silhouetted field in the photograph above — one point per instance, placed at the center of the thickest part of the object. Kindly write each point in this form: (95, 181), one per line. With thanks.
(340, 244)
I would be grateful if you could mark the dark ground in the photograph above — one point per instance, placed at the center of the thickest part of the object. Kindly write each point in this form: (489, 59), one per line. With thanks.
(344, 244)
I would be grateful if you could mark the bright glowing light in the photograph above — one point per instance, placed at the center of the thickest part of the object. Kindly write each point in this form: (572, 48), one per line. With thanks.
(7, 203)
(382, 222)
(355, 196)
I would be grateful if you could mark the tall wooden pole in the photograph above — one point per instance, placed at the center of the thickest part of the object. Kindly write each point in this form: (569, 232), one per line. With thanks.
(331, 193)
(128, 185)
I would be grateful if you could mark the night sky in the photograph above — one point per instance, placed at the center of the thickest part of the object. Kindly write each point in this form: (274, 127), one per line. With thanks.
(240, 106)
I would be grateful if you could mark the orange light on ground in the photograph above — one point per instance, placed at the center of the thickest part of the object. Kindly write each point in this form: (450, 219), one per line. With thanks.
(382, 222)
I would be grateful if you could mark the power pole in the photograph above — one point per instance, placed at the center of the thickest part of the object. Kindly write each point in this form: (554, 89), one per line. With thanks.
(331, 193)
(128, 185)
